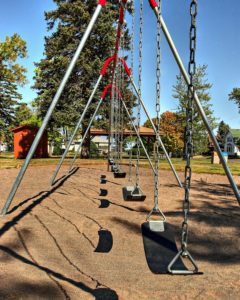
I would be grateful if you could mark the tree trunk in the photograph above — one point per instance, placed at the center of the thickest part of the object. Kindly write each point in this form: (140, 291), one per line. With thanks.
(85, 151)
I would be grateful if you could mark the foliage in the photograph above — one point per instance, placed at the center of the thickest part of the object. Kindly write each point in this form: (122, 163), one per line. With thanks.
(67, 24)
(26, 116)
(12, 74)
(94, 150)
(22, 113)
(202, 87)
(223, 130)
(235, 96)
(171, 131)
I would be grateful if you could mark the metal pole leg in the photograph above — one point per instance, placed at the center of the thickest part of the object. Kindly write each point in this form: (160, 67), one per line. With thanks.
(139, 137)
(154, 128)
(198, 103)
(85, 135)
(50, 110)
(75, 131)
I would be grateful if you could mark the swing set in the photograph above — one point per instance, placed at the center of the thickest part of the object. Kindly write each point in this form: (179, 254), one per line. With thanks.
(159, 242)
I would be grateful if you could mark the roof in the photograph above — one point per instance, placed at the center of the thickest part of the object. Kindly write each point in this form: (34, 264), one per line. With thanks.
(22, 127)
(235, 133)
(99, 139)
(144, 131)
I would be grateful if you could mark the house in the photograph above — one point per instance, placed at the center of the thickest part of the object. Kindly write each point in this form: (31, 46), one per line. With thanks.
(232, 142)
(101, 143)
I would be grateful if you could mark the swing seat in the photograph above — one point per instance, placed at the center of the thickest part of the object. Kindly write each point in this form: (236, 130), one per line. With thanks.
(119, 174)
(132, 193)
(114, 168)
(160, 248)
(156, 220)
(111, 161)
(156, 225)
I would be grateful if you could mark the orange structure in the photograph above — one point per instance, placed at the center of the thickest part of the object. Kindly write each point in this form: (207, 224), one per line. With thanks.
(23, 138)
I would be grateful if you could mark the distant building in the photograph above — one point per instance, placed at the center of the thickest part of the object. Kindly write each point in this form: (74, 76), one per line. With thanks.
(101, 143)
(232, 140)
(3, 147)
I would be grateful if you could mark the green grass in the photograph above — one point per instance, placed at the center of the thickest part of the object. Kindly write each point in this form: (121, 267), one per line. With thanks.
(8, 161)
(199, 164)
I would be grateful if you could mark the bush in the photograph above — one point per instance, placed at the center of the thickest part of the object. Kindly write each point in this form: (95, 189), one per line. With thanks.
(57, 150)
(94, 150)
(134, 152)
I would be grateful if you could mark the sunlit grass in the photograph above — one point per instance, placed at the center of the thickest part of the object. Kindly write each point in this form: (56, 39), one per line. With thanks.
(199, 164)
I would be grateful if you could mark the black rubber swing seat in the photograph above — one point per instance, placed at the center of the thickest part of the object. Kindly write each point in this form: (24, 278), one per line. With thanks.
(119, 174)
(160, 248)
(132, 193)
(111, 161)
(114, 168)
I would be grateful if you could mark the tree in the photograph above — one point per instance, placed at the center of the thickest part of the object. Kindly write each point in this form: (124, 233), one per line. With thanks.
(67, 24)
(235, 96)
(223, 130)
(22, 114)
(26, 116)
(202, 87)
(12, 74)
(171, 131)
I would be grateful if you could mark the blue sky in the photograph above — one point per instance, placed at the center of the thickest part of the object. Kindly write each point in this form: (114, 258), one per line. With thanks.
(218, 46)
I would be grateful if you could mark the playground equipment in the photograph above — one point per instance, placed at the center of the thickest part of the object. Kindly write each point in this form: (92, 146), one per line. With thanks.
(159, 226)
(134, 192)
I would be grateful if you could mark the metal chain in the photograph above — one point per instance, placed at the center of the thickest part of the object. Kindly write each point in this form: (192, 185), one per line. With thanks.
(118, 114)
(189, 120)
(140, 88)
(114, 116)
(132, 66)
(158, 96)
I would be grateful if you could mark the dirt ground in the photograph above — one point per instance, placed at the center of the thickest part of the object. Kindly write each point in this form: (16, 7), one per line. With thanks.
(49, 247)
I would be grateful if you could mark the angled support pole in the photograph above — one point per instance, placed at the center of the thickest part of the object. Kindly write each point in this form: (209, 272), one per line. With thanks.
(128, 72)
(89, 126)
(138, 135)
(102, 74)
(75, 131)
(155, 130)
(196, 99)
(36, 141)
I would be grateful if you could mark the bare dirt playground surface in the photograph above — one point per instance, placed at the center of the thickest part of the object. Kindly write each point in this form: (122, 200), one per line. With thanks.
(49, 247)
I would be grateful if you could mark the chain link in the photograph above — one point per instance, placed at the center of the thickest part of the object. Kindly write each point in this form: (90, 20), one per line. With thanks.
(132, 66)
(157, 108)
(189, 124)
(140, 89)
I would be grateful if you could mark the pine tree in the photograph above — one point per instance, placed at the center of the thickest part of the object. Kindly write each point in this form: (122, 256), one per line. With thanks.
(67, 24)
(235, 96)
(22, 114)
(202, 87)
(12, 74)
(223, 130)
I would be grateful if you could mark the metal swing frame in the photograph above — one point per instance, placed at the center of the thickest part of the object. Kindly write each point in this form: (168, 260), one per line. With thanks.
(101, 4)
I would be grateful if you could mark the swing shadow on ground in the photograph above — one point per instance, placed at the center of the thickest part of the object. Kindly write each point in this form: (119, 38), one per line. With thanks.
(39, 198)
(46, 290)
(209, 238)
